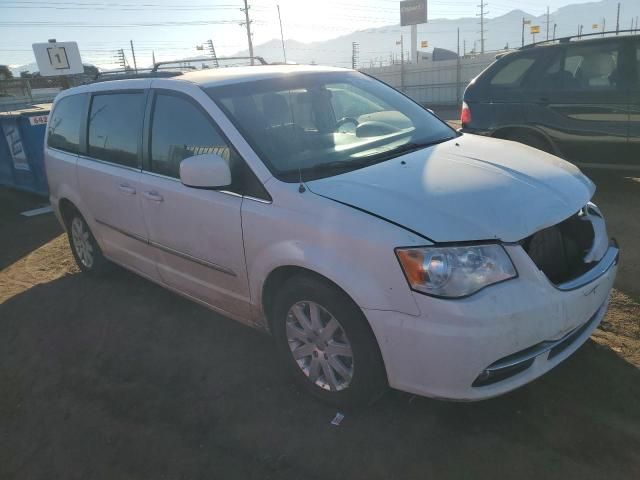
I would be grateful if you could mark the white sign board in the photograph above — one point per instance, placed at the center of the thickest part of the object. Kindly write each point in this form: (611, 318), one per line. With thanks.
(58, 58)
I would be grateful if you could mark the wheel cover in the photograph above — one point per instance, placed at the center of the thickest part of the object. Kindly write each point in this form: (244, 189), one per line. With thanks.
(80, 237)
(319, 346)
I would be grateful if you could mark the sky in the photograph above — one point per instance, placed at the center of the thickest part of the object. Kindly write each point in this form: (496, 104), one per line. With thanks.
(173, 28)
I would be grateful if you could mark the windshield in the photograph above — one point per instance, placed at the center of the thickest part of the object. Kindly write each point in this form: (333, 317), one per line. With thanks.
(316, 125)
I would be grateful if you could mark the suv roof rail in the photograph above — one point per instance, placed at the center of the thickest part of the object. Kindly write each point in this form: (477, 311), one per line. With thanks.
(205, 59)
(579, 37)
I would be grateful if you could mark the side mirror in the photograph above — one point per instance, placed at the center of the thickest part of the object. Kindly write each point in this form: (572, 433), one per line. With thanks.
(205, 171)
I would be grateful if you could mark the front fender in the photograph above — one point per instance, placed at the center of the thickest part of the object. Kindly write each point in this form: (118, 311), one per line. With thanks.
(351, 248)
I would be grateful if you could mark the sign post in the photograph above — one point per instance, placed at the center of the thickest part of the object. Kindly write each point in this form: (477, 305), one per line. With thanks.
(534, 29)
(58, 58)
(413, 12)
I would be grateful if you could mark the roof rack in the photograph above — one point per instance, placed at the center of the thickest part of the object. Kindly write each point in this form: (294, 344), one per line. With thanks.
(157, 65)
(579, 37)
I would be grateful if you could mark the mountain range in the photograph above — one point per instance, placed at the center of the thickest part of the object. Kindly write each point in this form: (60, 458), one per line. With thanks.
(378, 44)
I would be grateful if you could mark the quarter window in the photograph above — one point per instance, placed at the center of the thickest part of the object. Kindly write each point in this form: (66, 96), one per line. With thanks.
(64, 124)
(115, 127)
(512, 74)
(180, 130)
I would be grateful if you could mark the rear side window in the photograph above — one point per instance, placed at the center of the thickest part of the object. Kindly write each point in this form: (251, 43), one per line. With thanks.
(64, 124)
(180, 130)
(512, 74)
(115, 127)
(586, 67)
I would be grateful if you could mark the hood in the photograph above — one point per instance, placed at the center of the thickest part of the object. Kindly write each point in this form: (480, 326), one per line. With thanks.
(469, 188)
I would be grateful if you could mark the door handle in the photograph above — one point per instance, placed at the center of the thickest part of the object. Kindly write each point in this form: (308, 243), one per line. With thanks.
(153, 196)
(123, 187)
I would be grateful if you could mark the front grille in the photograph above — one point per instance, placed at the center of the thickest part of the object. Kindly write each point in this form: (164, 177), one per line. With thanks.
(559, 250)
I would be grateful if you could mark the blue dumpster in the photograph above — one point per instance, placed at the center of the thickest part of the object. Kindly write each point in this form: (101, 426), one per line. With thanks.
(21, 149)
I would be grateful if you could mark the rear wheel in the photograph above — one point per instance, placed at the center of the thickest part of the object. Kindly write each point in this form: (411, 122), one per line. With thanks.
(326, 343)
(84, 247)
(530, 139)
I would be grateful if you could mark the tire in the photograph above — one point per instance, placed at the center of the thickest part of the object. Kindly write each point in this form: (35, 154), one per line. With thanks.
(84, 247)
(339, 359)
(530, 139)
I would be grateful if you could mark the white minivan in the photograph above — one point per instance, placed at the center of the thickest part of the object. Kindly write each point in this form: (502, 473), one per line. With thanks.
(377, 245)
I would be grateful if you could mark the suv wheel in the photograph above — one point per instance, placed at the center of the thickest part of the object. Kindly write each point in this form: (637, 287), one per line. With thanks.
(530, 139)
(326, 343)
(84, 247)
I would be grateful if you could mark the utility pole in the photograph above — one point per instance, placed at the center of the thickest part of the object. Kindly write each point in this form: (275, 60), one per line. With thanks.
(524, 22)
(604, 25)
(618, 20)
(284, 52)
(458, 72)
(402, 63)
(212, 52)
(464, 48)
(355, 55)
(122, 60)
(555, 25)
(133, 54)
(247, 22)
(153, 57)
(548, 20)
(580, 31)
(482, 30)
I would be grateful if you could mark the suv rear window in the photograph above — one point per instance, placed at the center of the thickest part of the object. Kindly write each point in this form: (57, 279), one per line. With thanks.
(115, 127)
(64, 125)
(512, 74)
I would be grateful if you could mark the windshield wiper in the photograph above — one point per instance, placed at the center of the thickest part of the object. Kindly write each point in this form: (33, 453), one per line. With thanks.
(336, 166)
(341, 166)
(405, 148)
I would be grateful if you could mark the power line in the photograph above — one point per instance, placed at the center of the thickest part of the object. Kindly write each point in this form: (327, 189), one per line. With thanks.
(114, 25)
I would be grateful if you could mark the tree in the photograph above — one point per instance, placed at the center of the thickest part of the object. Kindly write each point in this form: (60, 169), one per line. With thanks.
(5, 73)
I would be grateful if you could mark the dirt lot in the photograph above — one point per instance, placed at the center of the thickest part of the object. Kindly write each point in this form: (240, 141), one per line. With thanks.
(119, 379)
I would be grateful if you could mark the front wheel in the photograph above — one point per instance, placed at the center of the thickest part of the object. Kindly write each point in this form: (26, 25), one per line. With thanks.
(326, 343)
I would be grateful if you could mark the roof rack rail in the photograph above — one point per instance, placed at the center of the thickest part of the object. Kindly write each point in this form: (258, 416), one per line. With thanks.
(579, 37)
(205, 59)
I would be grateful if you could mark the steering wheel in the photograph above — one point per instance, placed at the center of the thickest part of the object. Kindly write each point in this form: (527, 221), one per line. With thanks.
(345, 120)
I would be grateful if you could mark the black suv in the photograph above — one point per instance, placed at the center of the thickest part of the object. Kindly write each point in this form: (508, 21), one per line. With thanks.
(579, 100)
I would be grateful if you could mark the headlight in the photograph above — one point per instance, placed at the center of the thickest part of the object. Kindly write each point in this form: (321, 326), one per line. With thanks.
(455, 271)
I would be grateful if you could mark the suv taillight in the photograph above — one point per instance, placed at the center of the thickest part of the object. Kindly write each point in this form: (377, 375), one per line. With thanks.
(465, 115)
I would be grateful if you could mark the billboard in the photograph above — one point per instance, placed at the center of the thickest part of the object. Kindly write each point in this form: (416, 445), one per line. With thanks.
(413, 12)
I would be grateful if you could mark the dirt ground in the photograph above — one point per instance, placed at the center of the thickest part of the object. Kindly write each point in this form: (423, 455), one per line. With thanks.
(117, 378)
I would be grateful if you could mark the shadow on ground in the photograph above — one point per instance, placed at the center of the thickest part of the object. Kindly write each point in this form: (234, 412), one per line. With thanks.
(119, 378)
(21, 235)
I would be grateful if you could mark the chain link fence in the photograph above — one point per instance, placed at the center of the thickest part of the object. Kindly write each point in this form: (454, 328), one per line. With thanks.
(433, 83)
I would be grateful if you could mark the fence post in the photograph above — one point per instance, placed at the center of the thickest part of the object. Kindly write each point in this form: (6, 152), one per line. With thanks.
(29, 93)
